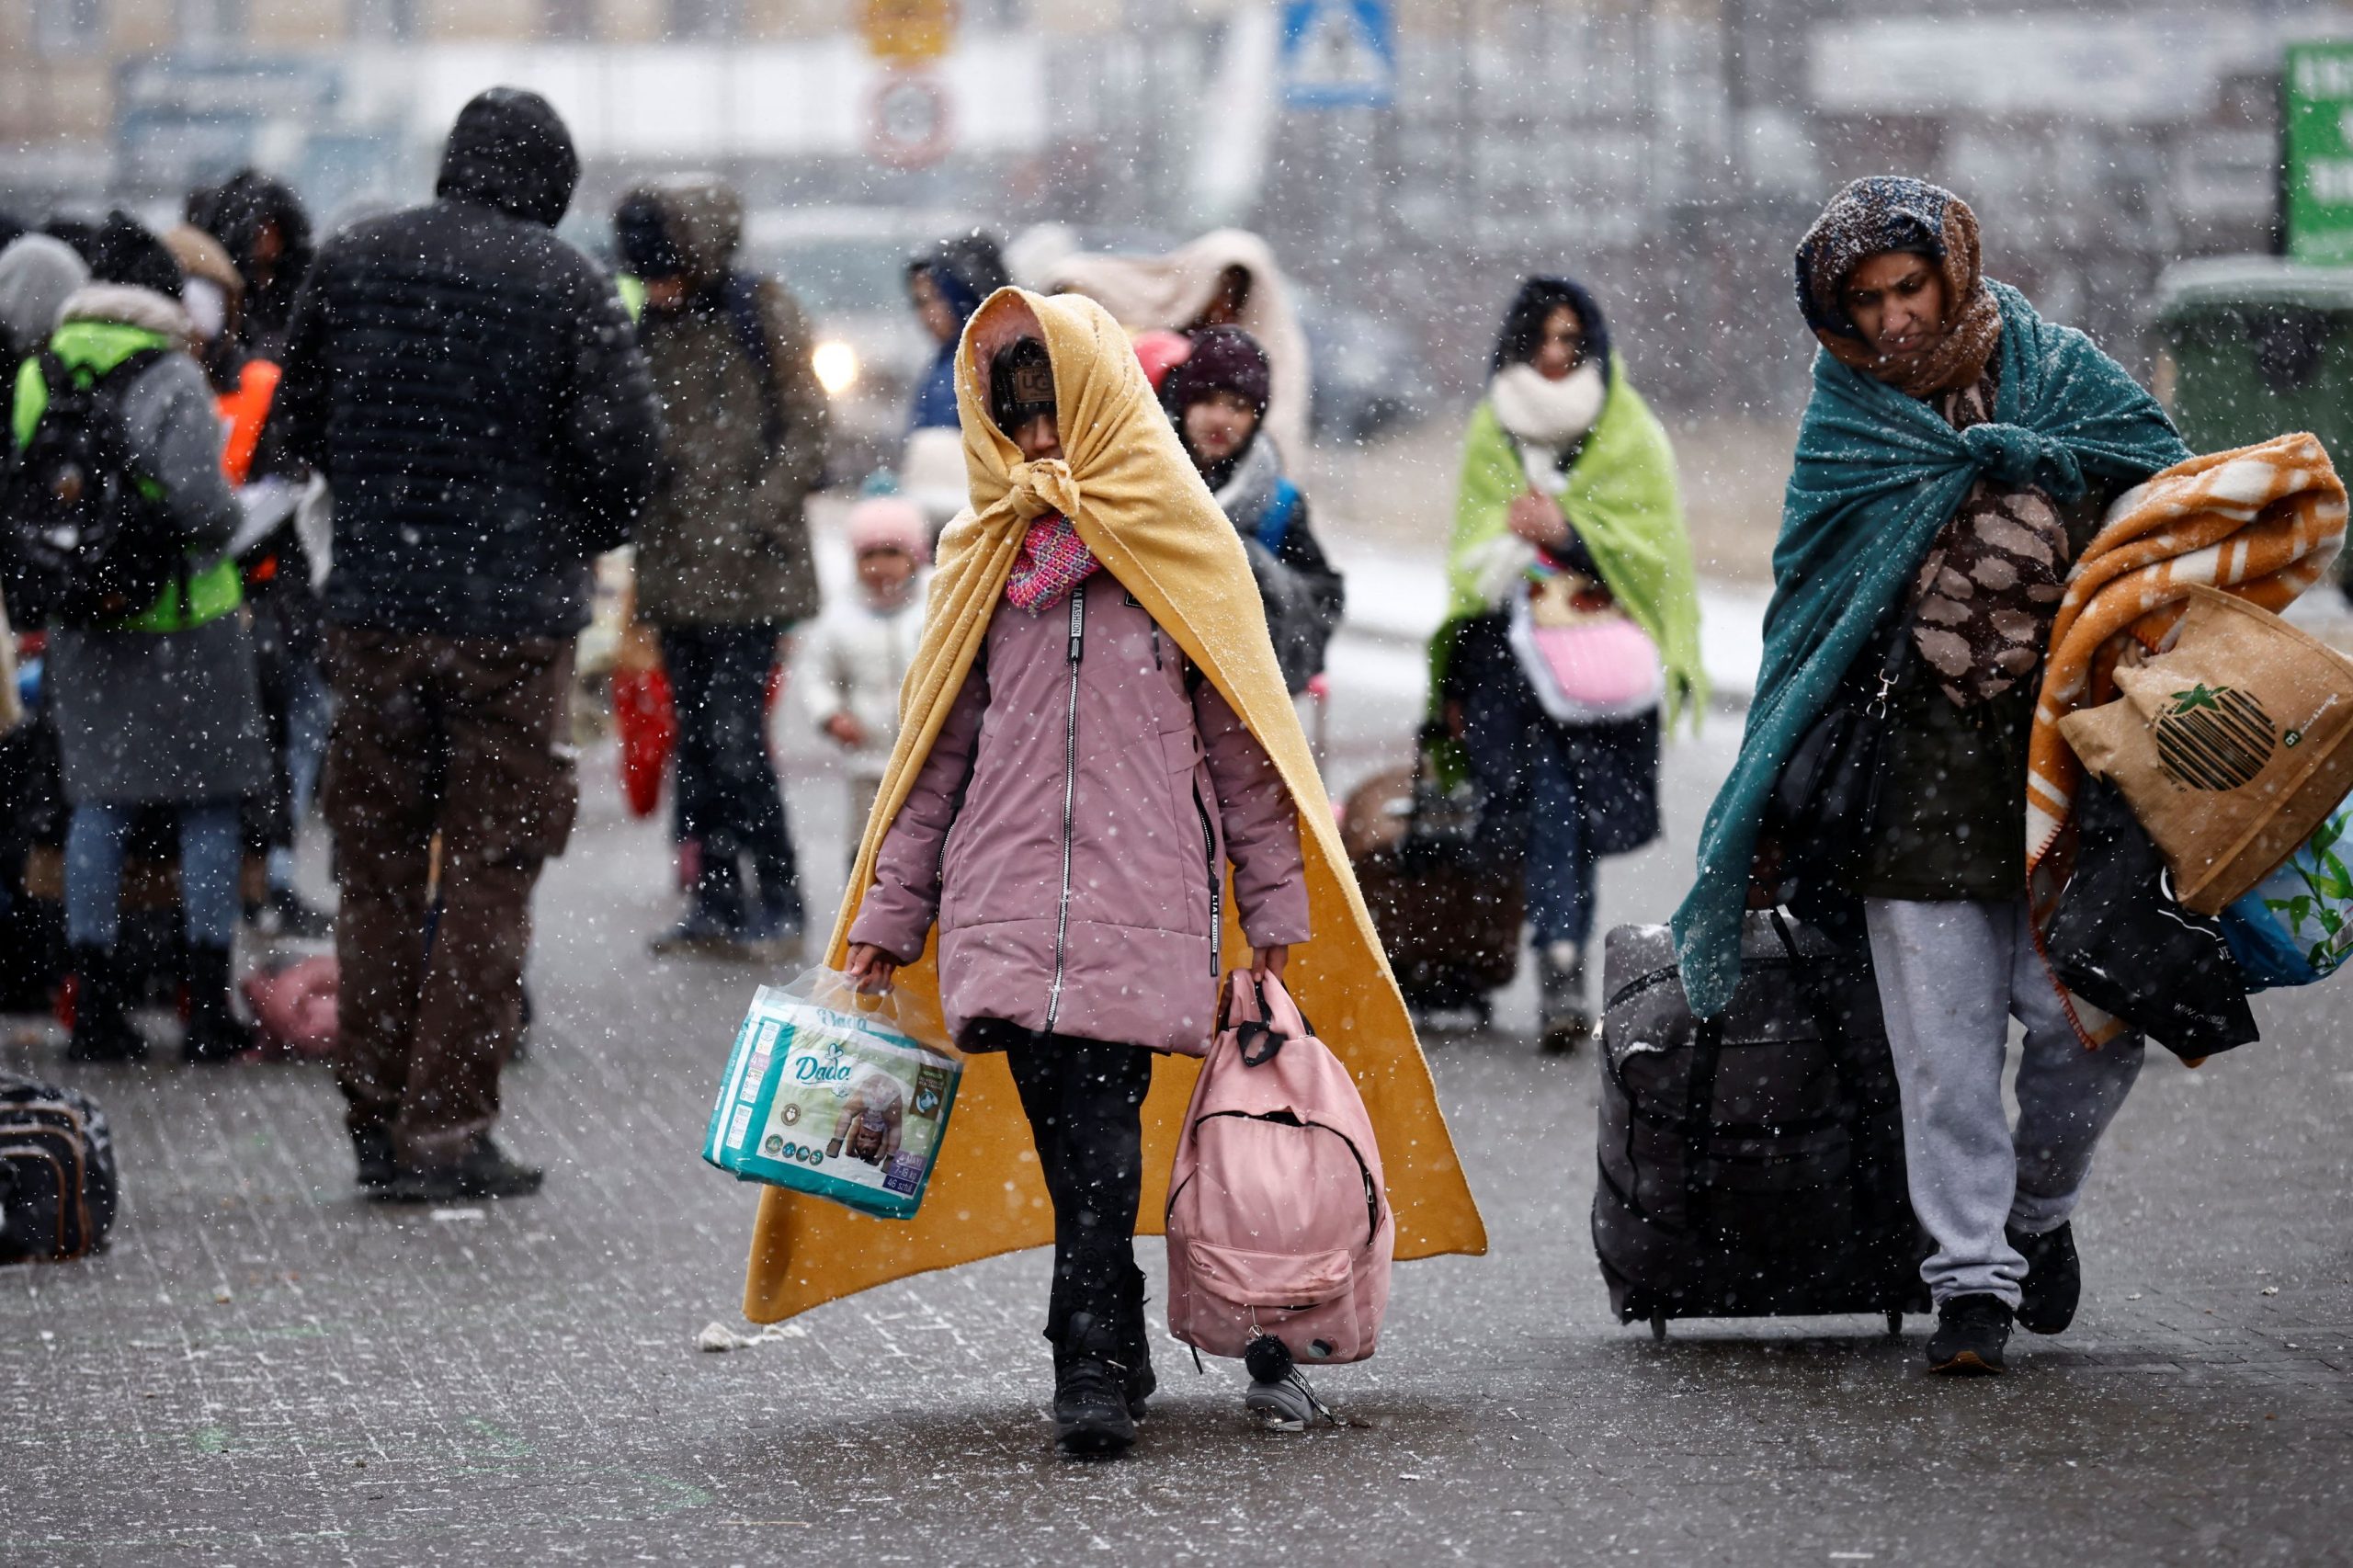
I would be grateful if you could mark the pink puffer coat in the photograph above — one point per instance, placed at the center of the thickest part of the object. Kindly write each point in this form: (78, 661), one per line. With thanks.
(1070, 829)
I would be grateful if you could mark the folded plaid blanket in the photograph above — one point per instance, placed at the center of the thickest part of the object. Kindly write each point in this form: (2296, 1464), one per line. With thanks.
(2263, 522)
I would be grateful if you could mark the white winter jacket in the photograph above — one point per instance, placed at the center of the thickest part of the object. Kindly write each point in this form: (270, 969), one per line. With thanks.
(854, 660)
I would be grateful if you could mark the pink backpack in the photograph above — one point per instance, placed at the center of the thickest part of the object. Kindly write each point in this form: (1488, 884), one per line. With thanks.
(1279, 1223)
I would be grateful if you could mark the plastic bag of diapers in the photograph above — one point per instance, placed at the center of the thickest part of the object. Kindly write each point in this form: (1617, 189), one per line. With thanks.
(831, 1093)
(2296, 925)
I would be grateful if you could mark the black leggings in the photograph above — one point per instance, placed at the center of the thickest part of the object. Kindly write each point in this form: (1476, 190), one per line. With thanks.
(1085, 1099)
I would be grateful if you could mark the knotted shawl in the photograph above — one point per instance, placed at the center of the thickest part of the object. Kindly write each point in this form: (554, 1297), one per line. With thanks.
(1878, 474)
(2263, 522)
(1144, 512)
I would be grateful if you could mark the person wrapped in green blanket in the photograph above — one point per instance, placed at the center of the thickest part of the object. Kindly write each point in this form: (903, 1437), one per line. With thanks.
(1568, 496)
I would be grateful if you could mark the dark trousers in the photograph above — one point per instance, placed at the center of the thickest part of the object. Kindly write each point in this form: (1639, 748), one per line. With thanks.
(465, 737)
(1560, 797)
(1085, 1100)
(728, 801)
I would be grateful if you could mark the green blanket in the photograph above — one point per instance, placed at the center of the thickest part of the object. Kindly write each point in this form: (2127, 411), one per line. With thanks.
(1622, 501)
(1878, 475)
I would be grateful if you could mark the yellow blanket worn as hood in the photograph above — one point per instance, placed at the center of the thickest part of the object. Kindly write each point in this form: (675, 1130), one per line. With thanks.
(1139, 506)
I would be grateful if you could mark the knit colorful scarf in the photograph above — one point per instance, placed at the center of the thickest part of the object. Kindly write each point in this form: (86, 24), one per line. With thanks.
(1051, 561)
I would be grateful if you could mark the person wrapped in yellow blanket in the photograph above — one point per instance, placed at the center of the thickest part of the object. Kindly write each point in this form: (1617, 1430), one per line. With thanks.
(1096, 524)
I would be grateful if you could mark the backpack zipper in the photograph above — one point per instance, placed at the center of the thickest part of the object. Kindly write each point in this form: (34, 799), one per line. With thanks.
(1070, 797)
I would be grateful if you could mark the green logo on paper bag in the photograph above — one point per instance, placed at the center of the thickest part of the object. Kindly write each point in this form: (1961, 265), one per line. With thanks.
(2215, 737)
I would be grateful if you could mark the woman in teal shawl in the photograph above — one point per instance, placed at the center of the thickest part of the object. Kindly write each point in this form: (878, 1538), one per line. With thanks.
(1957, 453)
(1566, 477)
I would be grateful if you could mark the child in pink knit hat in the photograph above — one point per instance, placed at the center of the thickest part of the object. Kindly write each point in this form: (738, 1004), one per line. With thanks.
(856, 657)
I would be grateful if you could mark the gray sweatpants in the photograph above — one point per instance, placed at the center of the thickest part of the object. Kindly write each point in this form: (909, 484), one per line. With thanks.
(1952, 975)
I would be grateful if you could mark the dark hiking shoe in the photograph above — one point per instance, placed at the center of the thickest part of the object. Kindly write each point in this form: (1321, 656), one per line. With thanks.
(214, 1035)
(485, 1172)
(102, 1028)
(1091, 1416)
(1971, 1334)
(1559, 985)
(2054, 1279)
(372, 1148)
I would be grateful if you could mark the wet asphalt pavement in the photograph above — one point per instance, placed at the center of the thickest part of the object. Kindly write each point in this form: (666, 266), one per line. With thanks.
(265, 1369)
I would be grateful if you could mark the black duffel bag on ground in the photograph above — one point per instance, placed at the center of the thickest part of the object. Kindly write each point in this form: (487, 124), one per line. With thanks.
(57, 1173)
(1752, 1164)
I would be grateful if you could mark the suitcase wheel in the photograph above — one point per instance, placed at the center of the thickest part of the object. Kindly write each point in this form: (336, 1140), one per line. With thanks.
(1895, 1323)
(1658, 1328)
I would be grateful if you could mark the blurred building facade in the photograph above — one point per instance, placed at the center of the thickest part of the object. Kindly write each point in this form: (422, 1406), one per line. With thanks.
(1670, 150)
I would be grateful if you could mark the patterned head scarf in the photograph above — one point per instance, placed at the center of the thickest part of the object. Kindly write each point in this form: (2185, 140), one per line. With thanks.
(1886, 213)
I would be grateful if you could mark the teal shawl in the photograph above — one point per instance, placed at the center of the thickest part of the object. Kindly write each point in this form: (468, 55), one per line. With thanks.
(1878, 475)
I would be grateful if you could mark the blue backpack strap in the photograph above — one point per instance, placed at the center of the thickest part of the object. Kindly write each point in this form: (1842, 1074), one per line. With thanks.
(1274, 523)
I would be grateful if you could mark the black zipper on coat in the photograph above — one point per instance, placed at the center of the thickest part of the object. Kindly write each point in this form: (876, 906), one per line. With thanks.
(1070, 797)
(1217, 884)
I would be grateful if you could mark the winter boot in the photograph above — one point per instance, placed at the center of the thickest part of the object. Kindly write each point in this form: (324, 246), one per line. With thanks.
(1135, 1345)
(1560, 979)
(102, 1028)
(2054, 1279)
(371, 1148)
(485, 1171)
(772, 925)
(1091, 1418)
(714, 923)
(214, 1035)
(1971, 1332)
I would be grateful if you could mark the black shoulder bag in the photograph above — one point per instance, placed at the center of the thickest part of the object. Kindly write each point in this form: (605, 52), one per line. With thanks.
(1825, 801)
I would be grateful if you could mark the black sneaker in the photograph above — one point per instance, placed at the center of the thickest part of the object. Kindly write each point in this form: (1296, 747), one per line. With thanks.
(1091, 1418)
(1970, 1332)
(485, 1172)
(2054, 1279)
(373, 1149)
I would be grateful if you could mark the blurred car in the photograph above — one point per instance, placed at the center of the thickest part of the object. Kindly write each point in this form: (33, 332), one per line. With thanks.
(1368, 374)
(847, 265)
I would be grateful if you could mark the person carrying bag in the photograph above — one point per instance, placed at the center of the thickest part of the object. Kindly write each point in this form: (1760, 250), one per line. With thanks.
(1094, 731)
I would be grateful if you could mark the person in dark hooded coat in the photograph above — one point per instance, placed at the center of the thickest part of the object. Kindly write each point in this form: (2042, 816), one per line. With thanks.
(263, 226)
(723, 555)
(946, 286)
(472, 389)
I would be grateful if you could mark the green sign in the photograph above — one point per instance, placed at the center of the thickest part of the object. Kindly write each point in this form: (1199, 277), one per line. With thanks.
(2316, 136)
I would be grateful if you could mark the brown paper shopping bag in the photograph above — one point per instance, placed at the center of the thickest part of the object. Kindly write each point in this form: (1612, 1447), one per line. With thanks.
(2230, 746)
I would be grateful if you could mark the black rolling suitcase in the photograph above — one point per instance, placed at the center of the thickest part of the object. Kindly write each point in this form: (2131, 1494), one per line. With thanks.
(1752, 1164)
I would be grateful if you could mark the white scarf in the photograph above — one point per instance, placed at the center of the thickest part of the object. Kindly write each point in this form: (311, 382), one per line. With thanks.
(1546, 418)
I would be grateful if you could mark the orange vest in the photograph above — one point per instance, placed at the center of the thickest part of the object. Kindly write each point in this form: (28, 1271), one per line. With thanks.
(247, 410)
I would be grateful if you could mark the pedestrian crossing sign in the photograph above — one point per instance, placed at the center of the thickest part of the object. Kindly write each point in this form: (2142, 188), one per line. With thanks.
(1338, 54)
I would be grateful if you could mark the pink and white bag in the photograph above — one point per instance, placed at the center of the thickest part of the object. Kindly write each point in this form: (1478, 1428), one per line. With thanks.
(1279, 1221)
